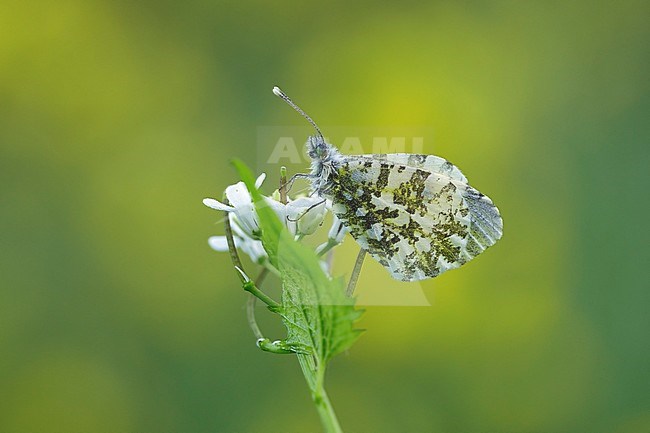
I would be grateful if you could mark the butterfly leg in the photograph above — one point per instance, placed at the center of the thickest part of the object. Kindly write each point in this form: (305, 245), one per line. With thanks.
(352, 284)
(306, 211)
(289, 184)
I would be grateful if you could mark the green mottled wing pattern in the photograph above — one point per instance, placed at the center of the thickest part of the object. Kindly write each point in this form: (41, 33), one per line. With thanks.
(415, 214)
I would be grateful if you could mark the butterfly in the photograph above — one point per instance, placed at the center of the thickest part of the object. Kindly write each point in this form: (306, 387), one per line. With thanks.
(415, 214)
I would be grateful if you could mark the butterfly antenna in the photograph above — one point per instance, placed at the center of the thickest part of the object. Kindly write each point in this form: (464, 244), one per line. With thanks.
(281, 94)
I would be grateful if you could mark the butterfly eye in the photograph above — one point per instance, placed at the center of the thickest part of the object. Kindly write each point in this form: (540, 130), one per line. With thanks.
(312, 147)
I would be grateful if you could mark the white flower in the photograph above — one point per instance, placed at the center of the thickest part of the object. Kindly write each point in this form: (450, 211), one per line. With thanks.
(301, 216)
(241, 204)
(249, 246)
(305, 215)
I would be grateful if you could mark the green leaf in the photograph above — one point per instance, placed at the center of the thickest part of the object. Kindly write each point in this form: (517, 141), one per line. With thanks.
(314, 308)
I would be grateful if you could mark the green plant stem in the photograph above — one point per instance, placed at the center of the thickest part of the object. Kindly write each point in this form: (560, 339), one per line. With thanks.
(326, 412)
(248, 285)
(283, 185)
(250, 306)
(315, 375)
(250, 315)
(327, 248)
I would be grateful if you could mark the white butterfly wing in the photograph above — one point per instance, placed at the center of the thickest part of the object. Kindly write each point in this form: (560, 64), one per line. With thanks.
(415, 221)
(430, 163)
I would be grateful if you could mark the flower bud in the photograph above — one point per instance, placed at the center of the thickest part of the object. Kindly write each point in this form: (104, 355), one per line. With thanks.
(337, 231)
(305, 214)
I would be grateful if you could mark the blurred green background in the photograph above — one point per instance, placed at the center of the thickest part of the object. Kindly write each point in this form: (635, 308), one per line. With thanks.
(118, 117)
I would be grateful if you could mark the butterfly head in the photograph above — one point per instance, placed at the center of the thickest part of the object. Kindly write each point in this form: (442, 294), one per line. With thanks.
(324, 161)
(317, 148)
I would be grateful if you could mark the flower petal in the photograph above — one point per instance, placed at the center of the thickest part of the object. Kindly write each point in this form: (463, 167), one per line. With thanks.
(254, 249)
(217, 205)
(277, 207)
(238, 195)
(235, 225)
(260, 180)
(219, 243)
(337, 231)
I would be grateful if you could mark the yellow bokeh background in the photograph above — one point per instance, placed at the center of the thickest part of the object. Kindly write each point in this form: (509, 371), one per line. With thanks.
(117, 118)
